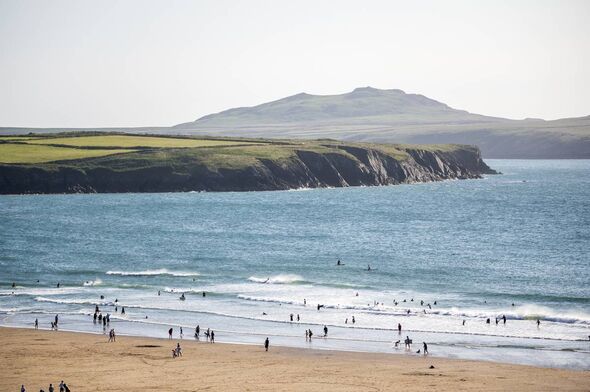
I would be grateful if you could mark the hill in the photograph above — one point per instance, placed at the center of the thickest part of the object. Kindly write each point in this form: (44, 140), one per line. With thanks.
(392, 116)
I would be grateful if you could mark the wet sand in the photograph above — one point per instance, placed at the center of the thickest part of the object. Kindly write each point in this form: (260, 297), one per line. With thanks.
(88, 362)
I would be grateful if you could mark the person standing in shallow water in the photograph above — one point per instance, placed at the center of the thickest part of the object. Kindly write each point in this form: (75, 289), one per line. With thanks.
(425, 346)
(170, 333)
(266, 344)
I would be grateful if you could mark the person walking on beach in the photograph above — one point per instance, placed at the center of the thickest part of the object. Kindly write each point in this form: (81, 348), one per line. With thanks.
(325, 331)
(297, 317)
(408, 343)
(425, 346)
(22, 387)
(538, 323)
(266, 344)
(399, 329)
(170, 333)
(197, 332)
(307, 335)
(504, 318)
(36, 323)
(212, 340)
(310, 335)
(207, 334)
(61, 386)
(353, 320)
(51, 389)
(181, 333)
(56, 320)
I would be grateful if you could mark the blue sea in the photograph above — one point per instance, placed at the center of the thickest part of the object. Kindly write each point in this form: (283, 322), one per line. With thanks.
(444, 257)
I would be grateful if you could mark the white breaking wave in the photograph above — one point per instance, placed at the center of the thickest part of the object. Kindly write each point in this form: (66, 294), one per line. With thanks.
(73, 301)
(161, 271)
(94, 282)
(277, 279)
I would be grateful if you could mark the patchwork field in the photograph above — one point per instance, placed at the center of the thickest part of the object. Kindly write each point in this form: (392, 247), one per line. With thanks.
(131, 141)
(29, 153)
(43, 149)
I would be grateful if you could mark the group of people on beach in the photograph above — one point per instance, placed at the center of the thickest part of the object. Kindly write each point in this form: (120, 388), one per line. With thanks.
(63, 387)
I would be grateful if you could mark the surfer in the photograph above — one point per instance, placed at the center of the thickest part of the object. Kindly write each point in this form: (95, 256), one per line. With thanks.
(368, 267)
(182, 297)
(504, 319)
(266, 281)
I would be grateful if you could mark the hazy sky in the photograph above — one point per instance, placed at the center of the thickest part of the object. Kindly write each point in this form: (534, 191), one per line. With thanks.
(136, 63)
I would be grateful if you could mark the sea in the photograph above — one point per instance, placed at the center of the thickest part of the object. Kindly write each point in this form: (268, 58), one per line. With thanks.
(439, 259)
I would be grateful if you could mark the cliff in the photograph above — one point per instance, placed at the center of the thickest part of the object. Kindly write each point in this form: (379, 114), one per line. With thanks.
(255, 167)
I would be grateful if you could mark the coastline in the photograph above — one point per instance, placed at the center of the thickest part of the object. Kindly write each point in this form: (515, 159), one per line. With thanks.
(86, 362)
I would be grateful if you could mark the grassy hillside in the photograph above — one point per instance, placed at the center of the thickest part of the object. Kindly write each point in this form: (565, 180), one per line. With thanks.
(392, 116)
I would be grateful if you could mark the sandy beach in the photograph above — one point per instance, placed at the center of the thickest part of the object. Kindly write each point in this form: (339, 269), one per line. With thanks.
(88, 362)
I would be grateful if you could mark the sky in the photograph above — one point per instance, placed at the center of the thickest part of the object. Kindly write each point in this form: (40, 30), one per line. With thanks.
(132, 63)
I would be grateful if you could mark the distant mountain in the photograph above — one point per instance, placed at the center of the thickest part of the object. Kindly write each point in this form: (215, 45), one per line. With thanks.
(369, 114)
(387, 116)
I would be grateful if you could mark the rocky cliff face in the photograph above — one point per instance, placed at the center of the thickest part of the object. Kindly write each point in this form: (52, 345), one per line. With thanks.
(353, 166)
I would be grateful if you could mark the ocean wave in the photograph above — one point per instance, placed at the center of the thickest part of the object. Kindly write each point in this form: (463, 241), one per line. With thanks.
(278, 279)
(94, 282)
(76, 301)
(154, 272)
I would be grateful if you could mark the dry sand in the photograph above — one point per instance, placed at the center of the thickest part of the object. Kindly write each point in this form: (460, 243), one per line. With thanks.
(87, 362)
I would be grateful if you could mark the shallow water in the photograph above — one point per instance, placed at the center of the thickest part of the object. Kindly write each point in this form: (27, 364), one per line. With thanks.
(475, 247)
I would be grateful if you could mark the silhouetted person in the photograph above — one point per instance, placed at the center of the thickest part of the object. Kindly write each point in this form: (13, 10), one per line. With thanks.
(170, 333)
(266, 344)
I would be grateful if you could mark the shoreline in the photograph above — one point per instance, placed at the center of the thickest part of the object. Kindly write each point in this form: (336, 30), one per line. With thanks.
(86, 362)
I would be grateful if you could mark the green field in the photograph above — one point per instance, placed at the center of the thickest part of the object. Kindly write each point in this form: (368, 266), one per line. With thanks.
(132, 141)
(28, 153)
(122, 151)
